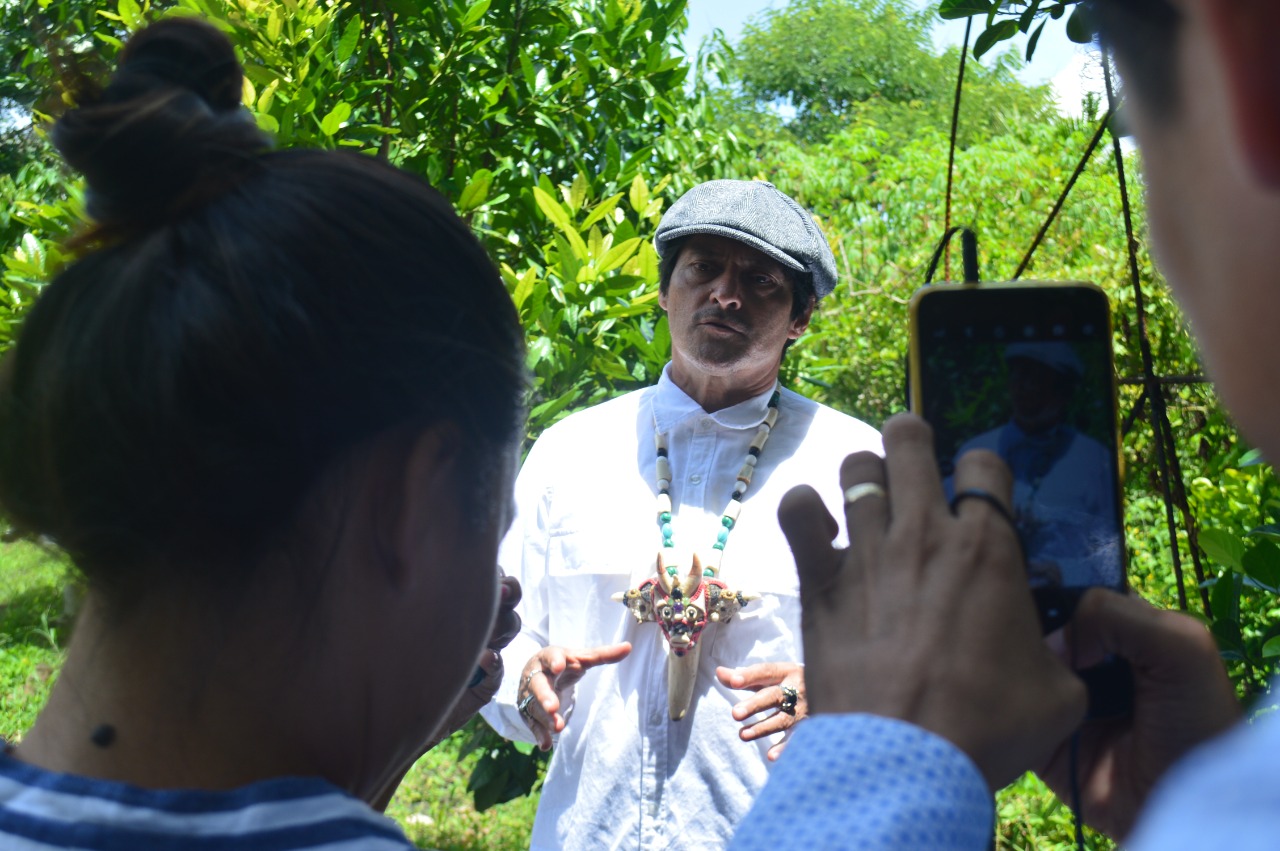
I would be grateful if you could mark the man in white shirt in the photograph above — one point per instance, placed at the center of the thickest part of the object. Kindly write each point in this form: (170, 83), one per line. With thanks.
(975, 697)
(664, 730)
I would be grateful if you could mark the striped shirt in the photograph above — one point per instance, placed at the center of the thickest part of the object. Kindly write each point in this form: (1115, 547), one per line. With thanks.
(42, 810)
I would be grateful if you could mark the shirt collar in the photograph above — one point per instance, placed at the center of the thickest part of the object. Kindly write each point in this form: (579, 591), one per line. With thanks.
(672, 406)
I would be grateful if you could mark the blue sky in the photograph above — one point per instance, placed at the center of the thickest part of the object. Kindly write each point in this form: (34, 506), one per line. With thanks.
(1057, 60)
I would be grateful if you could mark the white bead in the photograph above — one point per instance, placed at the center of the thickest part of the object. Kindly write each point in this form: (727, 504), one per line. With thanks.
(746, 471)
(659, 440)
(739, 487)
(664, 484)
(752, 459)
(664, 468)
(771, 417)
(664, 503)
(734, 509)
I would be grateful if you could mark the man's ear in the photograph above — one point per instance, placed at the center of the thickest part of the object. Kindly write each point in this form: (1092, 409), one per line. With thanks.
(1244, 38)
(429, 513)
(801, 323)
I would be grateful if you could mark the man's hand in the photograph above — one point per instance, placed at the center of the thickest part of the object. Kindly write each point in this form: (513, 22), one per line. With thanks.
(927, 616)
(768, 680)
(1181, 698)
(549, 678)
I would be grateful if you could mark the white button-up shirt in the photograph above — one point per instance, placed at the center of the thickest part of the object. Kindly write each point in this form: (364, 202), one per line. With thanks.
(623, 774)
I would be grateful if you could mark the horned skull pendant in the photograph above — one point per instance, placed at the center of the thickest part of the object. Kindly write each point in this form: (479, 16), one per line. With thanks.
(682, 607)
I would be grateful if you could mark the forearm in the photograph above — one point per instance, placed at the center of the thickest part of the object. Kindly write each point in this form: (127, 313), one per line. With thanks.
(860, 781)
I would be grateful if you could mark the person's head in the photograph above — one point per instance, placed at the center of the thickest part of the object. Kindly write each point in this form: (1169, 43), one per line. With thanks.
(742, 266)
(1042, 381)
(253, 341)
(1204, 103)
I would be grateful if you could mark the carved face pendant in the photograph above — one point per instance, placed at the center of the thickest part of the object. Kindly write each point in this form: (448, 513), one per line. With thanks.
(682, 608)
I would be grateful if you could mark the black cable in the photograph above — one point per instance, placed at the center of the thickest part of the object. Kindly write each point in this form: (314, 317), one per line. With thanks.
(969, 253)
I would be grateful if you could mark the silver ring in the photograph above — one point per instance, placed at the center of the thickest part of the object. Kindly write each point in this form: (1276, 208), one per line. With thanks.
(529, 677)
(523, 706)
(790, 696)
(858, 491)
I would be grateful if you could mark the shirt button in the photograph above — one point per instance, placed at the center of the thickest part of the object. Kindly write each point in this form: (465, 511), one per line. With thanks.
(706, 423)
(695, 478)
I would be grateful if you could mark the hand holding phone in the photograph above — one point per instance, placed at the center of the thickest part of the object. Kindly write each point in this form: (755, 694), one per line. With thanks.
(1026, 371)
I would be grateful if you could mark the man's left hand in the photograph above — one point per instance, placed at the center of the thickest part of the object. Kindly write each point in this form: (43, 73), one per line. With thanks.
(778, 686)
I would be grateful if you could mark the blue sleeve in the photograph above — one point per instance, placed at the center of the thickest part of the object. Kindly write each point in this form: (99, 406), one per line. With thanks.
(865, 782)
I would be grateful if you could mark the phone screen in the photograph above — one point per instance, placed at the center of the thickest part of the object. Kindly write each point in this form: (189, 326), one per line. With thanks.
(1026, 372)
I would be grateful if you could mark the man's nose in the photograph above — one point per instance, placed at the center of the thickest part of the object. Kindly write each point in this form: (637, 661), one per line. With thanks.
(726, 290)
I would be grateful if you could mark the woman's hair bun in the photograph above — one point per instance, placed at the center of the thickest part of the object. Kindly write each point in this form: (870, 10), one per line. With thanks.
(168, 132)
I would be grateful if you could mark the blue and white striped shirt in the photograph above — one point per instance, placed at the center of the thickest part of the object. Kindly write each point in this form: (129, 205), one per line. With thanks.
(43, 810)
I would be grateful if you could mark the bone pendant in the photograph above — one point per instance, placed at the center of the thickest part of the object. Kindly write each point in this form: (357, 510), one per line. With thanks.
(682, 675)
(682, 607)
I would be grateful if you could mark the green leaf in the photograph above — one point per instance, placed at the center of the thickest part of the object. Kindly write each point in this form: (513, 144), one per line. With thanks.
(1272, 648)
(332, 122)
(524, 287)
(475, 12)
(1223, 547)
(476, 191)
(601, 210)
(1252, 458)
(551, 208)
(1261, 563)
(639, 195)
(350, 38)
(578, 192)
(1034, 40)
(131, 14)
(619, 254)
(993, 35)
(1080, 27)
(1224, 599)
(1270, 531)
(950, 10)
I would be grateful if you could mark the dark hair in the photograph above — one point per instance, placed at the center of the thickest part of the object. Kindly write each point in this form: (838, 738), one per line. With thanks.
(1144, 35)
(245, 320)
(802, 291)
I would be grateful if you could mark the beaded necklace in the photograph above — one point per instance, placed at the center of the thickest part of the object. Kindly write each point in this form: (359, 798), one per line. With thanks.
(682, 606)
(711, 568)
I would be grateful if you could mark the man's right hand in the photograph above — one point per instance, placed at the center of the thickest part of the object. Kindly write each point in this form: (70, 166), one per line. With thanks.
(927, 616)
(549, 677)
(1182, 697)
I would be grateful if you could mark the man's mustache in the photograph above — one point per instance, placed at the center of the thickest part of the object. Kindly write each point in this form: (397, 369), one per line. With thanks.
(720, 317)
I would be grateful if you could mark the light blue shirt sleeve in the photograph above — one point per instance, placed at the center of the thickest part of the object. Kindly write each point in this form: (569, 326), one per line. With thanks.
(1225, 794)
(865, 782)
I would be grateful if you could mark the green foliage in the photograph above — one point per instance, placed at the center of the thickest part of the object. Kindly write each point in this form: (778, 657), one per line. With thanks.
(32, 632)
(845, 62)
(1006, 18)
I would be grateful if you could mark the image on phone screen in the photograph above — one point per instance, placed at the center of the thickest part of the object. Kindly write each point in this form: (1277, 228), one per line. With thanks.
(1030, 378)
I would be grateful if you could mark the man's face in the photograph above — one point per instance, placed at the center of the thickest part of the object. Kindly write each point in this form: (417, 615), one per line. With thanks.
(1037, 395)
(729, 308)
(1215, 215)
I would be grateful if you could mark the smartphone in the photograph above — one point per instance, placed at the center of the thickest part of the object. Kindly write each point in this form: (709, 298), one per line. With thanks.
(1026, 371)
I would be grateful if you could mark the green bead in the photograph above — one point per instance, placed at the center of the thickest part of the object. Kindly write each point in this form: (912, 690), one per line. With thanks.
(666, 542)
(665, 517)
(723, 536)
(671, 571)
(718, 545)
(710, 571)
(727, 521)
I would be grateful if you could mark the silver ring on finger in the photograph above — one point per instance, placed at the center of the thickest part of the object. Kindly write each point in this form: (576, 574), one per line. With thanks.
(523, 706)
(529, 676)
(864, 489)
(790, 696)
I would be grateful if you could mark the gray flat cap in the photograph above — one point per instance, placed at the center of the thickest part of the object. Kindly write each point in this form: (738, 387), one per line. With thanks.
(756, 213)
